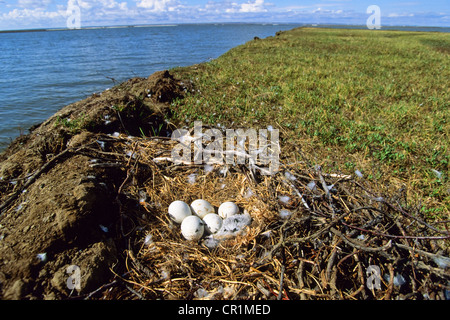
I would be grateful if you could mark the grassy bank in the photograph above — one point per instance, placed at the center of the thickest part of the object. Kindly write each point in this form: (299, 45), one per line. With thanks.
(374, 101)
(91, 186)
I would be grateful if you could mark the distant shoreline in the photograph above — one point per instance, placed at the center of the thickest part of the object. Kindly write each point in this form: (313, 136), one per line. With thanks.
(87, 28)
(334, 26)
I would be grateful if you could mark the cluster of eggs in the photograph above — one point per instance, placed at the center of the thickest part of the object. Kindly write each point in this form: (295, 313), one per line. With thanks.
(200, 217)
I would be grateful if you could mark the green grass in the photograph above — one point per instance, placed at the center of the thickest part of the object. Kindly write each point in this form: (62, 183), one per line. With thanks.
(76, 125)
(377, 101)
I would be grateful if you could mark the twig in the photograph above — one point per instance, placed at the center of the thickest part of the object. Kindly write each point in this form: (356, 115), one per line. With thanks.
(137, 294)
(400, 209)
(291, 185)
(280, 242)
(361, 277)
(360, 246)
(329, 276)
(283, 267)
(299, 274)
(322, 181)
(106, 165)
(391, 282)
(395, 236)
(319, 232)
(103, 287)
(418, 251)
(439, 272)
(327, 190)
(33, 178)
(333, 280)
(331, 261)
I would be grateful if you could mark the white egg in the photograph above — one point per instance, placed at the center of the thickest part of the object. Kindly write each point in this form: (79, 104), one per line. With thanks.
(213, 222)
(179, 210)
(192, 228)
(228, 209)
(201, 208)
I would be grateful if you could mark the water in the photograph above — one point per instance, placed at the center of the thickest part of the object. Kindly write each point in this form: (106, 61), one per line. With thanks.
(41, 72)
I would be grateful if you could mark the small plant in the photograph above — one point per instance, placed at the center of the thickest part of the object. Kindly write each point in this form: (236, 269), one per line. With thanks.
(77, 124)
(157, 131)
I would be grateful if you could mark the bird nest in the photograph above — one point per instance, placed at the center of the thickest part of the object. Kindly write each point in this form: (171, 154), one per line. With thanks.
(313, 235)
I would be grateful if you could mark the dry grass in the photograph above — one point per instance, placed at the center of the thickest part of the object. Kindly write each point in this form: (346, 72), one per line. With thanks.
(321, 251)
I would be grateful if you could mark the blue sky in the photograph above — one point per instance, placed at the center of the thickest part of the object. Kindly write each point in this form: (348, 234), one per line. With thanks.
(26, 14)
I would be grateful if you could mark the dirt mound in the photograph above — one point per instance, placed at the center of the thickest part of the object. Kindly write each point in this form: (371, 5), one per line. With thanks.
(84, 198)
(58, 209)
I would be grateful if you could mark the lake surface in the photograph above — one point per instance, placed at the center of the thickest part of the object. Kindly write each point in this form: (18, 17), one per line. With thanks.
(41, 72)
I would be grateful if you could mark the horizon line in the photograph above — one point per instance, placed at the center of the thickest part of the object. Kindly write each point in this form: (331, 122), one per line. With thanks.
(209, 23)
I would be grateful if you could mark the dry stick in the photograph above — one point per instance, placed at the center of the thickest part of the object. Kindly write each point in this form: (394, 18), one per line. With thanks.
(103, 287)
(400, 209)
(106, 153)
(391, 282)
(422, 222)
(331, 281)
(437, 271)
(299, 274)
(291, 185)
(32, 178)
(418, 251)
(337, 266)
(359, 246)
(280, 242)
(139, 266)
(331, 261)
(137, 294)
(381, 234)
(318, 233)
(120, 203)
(322, 181)
(326, 189)
(361, 277)
(119, 191)
(283, 267)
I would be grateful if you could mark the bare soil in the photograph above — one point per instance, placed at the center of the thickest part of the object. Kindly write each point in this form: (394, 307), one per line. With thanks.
(57, 208)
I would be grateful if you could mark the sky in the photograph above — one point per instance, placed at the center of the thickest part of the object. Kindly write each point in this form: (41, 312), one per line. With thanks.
(30, 14)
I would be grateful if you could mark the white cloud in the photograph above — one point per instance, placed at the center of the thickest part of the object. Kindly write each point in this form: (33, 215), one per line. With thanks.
(98, 4)
(110, 4)
(248, 7)
(256, 6)
(33, 3)
(397, 15)
(327, 12)
(100, 12)
(29, 18)
(158, 5)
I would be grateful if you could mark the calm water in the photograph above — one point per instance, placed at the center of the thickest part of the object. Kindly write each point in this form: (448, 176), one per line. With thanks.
(41, 72)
